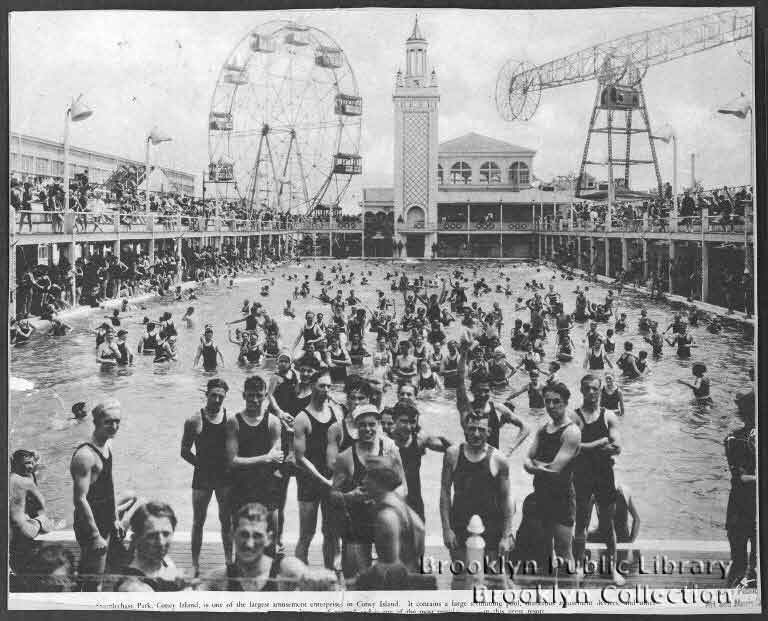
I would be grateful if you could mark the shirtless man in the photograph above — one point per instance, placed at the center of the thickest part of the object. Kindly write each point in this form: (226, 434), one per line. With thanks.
(26, 509)
(205, 431)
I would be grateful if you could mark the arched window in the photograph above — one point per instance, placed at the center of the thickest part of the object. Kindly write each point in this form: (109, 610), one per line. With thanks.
(490, 173)
(461, 173)
(439, 174)
(519, 174)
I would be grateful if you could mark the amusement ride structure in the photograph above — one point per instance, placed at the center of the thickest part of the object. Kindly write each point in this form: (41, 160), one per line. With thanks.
(619, 67)
(284, 122)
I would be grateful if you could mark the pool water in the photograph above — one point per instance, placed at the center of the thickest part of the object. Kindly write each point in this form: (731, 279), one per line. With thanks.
(672, 458)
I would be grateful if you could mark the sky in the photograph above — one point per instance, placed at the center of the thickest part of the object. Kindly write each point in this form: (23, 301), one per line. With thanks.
(138, 69)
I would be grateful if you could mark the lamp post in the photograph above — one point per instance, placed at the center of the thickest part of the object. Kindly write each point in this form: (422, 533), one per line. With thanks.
(665, 135)
(155, 138)
(741, 108)
(78, 111)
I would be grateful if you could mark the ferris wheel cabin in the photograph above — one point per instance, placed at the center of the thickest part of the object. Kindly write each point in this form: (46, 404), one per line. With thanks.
(347, 164)
(262, 43)
(220, 121)
(348, 105)
(235, 64)
(329, 57)
(297, 35)
(236, 77)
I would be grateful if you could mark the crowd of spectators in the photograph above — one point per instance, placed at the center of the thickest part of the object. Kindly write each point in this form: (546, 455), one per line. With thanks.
(44, 290)
(726, 205)
(98, 205)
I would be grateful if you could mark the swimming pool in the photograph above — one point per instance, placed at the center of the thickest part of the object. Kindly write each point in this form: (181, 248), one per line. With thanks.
(672, 458)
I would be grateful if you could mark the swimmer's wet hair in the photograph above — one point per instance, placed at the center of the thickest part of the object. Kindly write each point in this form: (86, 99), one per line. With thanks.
(560, 389)
(100, 410)
(255, 382)
(216, 382)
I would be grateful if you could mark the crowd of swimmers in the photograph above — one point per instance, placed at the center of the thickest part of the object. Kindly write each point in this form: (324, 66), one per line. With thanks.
(357, 461)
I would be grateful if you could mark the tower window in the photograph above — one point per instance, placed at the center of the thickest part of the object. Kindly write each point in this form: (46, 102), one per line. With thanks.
(490, 173)
(439, 174)
(519, 174)
(461, 173)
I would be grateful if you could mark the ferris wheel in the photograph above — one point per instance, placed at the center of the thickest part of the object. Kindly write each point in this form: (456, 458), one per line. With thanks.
(284, 123)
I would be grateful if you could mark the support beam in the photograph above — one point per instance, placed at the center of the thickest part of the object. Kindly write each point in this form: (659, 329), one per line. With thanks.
(624, 255)
(607, 258)
(591, 242)
(578, 252)
(71, 251)
(671, 262)
(645, 258)
(704, 271)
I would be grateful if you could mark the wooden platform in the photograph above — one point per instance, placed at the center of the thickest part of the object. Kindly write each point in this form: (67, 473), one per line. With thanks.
(653, 563)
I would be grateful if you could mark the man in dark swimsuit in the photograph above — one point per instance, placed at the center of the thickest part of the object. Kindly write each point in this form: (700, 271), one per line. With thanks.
(96, 517)
(254, 452)
(310, 443)
(549, 459)
(497, 414)
(209, 351)
(741, 514)
(413, 445)
(478, 476)
(205, 431)
(593, 472)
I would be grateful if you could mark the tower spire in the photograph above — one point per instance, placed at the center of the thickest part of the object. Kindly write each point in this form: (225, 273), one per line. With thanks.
(416, 34)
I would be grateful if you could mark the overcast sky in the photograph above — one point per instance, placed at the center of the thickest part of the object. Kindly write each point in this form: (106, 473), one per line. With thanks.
(138, 69)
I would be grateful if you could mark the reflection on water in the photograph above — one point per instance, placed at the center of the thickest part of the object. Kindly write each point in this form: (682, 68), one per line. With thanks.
(672, 456)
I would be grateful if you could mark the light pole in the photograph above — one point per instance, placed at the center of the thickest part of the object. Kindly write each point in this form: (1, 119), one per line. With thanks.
(78, 111)
(665, 135)
(155, 138)
(741, 108)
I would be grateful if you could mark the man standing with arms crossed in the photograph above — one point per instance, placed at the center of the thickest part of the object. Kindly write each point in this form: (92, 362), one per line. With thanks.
(550, 460)
(593, 473)
(96, 517)
(205, 431)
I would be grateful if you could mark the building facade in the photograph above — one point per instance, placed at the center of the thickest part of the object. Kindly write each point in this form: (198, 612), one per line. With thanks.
(468, 196)
(37, 158)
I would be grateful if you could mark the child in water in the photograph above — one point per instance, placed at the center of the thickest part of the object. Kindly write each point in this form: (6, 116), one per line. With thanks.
(187, 318)
(700, 385)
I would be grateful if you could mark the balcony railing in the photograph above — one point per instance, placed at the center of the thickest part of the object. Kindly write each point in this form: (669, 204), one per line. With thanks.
(67, 223)
(681, 224)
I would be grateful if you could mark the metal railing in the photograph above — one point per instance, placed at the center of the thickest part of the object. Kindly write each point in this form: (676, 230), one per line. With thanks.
(737, 224)
(67, 222)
